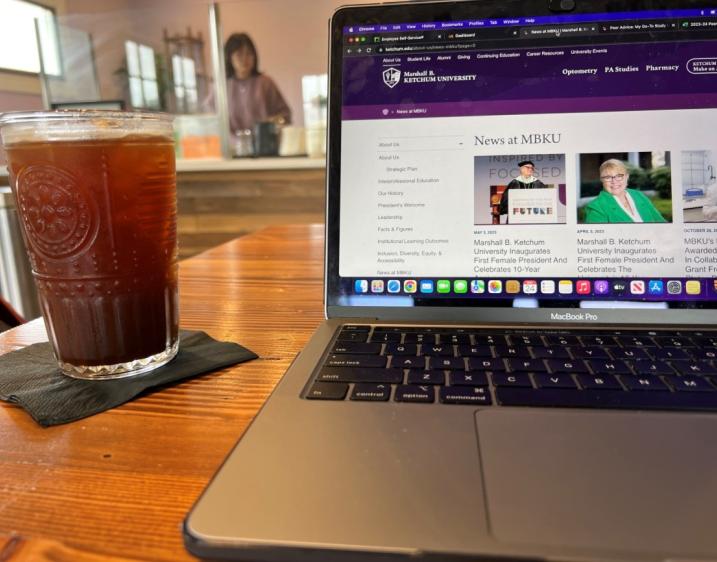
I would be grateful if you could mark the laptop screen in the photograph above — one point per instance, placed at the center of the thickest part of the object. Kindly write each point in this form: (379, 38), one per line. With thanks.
(528, 160)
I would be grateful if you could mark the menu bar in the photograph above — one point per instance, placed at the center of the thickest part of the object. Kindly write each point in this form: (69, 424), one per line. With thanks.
(536, 20)
(427, 41)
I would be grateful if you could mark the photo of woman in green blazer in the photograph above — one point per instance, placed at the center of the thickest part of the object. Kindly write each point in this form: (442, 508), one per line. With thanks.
(618, 204)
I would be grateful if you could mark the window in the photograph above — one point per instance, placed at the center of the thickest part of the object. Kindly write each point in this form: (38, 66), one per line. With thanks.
(185, 84)
(142, 75)
(18, 42)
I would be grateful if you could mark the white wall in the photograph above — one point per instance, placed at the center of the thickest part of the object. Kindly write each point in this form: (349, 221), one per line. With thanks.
(291, 36)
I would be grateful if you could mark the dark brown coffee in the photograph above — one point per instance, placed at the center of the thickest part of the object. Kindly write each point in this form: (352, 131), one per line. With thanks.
(99, 221)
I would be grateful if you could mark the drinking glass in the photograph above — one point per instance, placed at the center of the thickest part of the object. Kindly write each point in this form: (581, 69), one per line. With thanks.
(96, 196)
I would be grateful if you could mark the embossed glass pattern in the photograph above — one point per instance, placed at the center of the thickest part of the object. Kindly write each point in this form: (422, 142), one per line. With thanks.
(96, 194)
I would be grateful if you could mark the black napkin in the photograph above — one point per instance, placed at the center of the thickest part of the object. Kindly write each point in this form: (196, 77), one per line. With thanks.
(30, 378)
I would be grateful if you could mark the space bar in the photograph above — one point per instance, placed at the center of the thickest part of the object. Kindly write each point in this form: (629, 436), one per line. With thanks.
(618, 399)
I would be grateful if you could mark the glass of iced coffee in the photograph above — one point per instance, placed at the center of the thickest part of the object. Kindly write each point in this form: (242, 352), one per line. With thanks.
(96, 195)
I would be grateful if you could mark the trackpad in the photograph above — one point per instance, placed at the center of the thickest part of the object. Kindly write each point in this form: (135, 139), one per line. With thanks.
(634, 481)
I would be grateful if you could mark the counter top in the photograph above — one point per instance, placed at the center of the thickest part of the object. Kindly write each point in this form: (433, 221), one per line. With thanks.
(239, 164)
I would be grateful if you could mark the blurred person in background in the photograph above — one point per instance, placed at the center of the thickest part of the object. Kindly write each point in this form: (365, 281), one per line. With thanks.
(252, 96)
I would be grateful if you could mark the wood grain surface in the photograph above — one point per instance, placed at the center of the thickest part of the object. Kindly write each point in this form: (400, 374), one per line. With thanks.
(117, 485)
(219, 206)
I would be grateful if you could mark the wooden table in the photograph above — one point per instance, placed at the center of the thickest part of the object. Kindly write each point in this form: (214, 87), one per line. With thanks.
(117, 485)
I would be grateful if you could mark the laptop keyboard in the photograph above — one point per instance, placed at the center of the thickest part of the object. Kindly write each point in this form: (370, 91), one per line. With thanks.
(602, 369)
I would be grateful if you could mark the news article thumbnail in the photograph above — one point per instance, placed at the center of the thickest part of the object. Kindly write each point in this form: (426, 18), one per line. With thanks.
(625, 187)
(519, 189)
(699, 186)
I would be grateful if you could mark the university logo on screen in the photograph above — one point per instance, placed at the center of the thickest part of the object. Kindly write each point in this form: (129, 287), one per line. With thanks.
(391, 77)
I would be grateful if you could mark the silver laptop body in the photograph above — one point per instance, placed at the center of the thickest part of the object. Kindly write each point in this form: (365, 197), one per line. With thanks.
(423, 141)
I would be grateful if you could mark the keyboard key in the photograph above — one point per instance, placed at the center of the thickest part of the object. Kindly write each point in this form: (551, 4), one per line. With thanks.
(451, 363)
(643, 383)
(478, 364)
(616, 367)
(510, 351)
(468, 379)
(437, 350)
(525, 365)
(701, 339)
(352, 336)
(355, 328)
(615, 399)
(385, 337)
(691, 384)
(633, 354)
(703, 354)
(474, 351)
(352, 374)
(523, 340)
(589, 353)
(488, 339)
(651, 368)
(429, 339)
(562, 341)
(454, 339)
(371, 392)
(452, 331)
(417, 376)
(598, 341)
(694, 367)
(357, 347)
(543, 380)
(385, 329)
(606, 382)
(414, 393)
(675, 341)
(401, 349)
(669, 354)
(550, 353)
(327, 391)
(475, 396)
(351, 360)
(632, 342)
(570, 366)
(512, 379)
(402, 362)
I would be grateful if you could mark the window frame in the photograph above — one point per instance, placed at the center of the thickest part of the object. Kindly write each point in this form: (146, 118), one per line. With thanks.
(58, 48)
(141, 77)
(182, 85)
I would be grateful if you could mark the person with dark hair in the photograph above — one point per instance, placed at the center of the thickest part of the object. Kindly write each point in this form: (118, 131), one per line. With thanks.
(252, 96)
(526, 180)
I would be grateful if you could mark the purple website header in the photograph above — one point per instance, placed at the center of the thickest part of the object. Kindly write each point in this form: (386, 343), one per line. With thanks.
(534, 80)
(537, 20)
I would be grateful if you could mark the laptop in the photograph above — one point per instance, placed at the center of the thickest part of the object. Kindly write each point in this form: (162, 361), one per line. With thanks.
(518, 360)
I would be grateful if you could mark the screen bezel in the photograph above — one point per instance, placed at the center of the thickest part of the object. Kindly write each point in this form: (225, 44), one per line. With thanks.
(463, 310)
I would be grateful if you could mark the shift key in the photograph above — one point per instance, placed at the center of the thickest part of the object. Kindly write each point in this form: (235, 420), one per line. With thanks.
(356, 360)
(360, 375)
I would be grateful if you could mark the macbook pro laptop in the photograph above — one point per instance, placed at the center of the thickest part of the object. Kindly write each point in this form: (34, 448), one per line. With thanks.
(518, 360)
